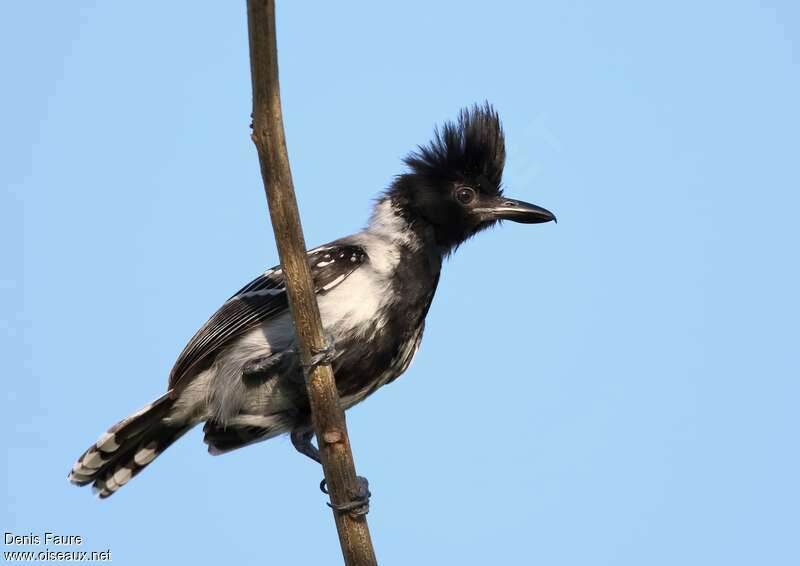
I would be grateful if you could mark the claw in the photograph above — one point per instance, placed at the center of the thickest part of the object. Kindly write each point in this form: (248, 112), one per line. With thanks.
(356, 507)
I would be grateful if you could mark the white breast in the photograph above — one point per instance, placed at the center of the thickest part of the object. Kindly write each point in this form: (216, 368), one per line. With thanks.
(355, 304)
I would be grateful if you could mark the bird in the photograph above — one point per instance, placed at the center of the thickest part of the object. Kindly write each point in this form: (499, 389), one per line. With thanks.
(240, 373)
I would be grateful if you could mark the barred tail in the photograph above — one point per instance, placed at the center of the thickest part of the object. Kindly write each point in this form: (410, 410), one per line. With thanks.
(127, 448)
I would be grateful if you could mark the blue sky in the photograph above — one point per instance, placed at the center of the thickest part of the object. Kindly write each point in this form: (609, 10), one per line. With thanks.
(620, 388)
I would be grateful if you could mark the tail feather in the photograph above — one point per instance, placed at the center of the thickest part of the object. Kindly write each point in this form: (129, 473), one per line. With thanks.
(129, 464)
(127, 448)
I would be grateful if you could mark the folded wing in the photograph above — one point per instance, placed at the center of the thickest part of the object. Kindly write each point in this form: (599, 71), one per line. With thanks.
(259, 301)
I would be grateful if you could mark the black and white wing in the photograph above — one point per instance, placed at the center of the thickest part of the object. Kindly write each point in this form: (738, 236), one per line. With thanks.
(258, 301)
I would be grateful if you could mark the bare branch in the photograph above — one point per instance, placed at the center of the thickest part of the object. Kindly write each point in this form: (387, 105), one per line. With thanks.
(328, 417)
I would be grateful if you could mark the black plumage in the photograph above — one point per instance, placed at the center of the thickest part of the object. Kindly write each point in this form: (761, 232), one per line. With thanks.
(240, 374)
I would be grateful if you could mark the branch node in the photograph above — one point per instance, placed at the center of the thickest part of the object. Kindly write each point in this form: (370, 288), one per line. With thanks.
(332, 436)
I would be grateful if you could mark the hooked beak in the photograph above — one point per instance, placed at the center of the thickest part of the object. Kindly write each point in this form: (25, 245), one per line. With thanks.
(518, 211)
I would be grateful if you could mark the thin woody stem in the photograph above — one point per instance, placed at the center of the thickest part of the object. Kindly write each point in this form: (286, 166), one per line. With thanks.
(327, 415)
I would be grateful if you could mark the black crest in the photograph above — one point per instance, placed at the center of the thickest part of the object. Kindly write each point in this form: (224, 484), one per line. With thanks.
(474, 147)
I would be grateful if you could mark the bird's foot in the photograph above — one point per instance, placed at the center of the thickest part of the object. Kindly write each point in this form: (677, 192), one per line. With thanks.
(321, 356)
(358, 506)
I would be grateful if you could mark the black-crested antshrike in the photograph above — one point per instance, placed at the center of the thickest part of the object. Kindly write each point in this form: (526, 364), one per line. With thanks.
(240, 373)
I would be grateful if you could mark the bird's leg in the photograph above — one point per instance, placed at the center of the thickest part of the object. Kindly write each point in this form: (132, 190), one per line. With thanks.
(359, 504)
(301, 440)
(259, 370)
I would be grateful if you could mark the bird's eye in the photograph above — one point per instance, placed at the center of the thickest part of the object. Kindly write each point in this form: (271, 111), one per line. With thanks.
(465, 195)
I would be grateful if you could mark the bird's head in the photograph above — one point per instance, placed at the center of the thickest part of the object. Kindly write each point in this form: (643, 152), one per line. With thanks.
(454, 183)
